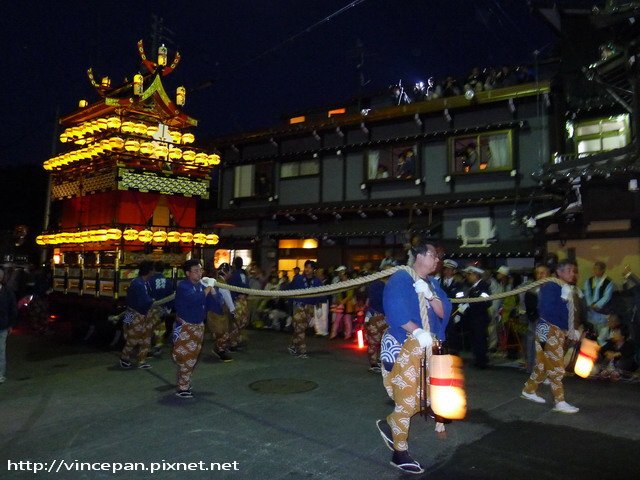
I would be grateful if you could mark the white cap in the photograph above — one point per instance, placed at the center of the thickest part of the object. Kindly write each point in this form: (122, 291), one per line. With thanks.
(472, 269)
(450, 263)
(504, 270)
(341, 268)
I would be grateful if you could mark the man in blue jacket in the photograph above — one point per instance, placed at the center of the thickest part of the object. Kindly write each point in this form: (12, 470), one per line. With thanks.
(404, 345)
(136, 326)
(303, 308)
(188, 330)
(556, 309)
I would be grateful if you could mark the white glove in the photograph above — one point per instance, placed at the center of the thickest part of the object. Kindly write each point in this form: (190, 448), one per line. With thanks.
(566, 292)
(457, 319)
(422, 287)
(424, 338)
(208, 282)
(463, 307)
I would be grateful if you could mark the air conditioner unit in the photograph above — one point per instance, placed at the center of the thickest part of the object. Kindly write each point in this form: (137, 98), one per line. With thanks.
(476, 232)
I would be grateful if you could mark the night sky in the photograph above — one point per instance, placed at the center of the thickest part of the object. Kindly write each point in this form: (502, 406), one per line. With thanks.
(245, 63)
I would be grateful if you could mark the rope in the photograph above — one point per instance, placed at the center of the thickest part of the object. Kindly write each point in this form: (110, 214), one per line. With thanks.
(356, 282)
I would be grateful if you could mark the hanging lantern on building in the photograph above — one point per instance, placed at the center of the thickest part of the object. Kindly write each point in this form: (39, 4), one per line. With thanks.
(173, 237)
(138, 87)
(446, 387)
(188, 138)
(162, 55)
(181, 96)
(586, 357)
(130, 234)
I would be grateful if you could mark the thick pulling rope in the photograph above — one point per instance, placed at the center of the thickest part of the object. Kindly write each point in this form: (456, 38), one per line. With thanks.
(356, 282)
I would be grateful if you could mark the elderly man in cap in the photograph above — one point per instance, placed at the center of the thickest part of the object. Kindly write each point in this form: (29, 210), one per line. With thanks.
(405, 344)
(476, 315)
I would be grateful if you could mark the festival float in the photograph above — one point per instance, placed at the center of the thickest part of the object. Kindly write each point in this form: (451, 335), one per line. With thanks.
(124, 189)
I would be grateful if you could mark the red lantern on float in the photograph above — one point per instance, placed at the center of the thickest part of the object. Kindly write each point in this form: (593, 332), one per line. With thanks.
(586, 357)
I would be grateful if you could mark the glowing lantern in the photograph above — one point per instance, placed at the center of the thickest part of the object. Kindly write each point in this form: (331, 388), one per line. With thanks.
(162, 55)
(63, 137)
(186, 237)
(360, 339)
(99, 235)
(85, 237)
(173, 237)
(212, 239)
(127, 127)
(175, 137)
(113, 122)
(132, 145)
(161, 150)
(199, 238)
(147, 148)
(106, 82)
(214, 159)
(446, 387)
(175, 153)
(188, 138)
(139, 129)
(145, 235)
(130, 234)
(40, 240)
(137, 84)
(181, 96)
(152, 130)
(116, 143)
(82, 103)
(65, 237)
(201, 158)
(160, 236)
(114, 234)
(102, 123)
(188, 155)
(586, 357)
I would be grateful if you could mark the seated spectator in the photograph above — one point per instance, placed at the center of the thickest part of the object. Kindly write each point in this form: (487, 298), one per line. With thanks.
(451, 87)
(617, 356)
(383, 172)
(406, 164)
(475, 80)
(491, 80)
(505, 78)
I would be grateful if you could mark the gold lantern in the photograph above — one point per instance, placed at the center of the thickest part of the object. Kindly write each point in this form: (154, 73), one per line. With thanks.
(106, 82)
(132, 145)
(83, 103)
(186, 237)
(127, 127)
(63, 137)
(173, 237)
(113, 122)
(102, 123)
(99, 235)
(212, 239)
(446, 387)
(139, 129)
(116, 143)
(160, 236)
(161, 150)
(130, 234)
(152, 130)
(162, 55)
(214, 159)
(188, 155)
(175, 153)
(188, 138)
(138, 84)
(147, 148)
(201, 158)
(114, 234)
(199, 238)
(181, 96)
(145, 235)
(175, 136)
(586, 357)
(40, 240)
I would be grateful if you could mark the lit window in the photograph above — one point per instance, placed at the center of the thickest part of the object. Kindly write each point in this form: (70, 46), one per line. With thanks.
(601, 135)
(484, 152)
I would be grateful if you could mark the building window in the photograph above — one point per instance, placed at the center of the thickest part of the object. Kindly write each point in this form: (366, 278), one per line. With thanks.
(253, 181)
(393, 162)
(300, 168)
(600, 135)
(483, 152)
